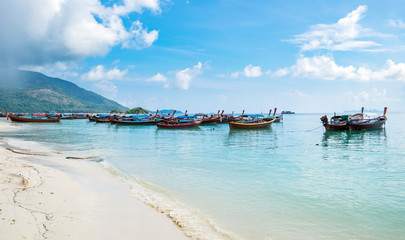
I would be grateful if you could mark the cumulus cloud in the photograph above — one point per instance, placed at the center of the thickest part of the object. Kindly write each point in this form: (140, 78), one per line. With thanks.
(281, 72)
(252, 71)
(136, 6)
(325, 68)
(364, 97)
(141, 38)
(157, 78)
(249, 71)
(185, 76)
(340, 36)
(102, 79)
(321, 67)
(99, 73)
(45, 31)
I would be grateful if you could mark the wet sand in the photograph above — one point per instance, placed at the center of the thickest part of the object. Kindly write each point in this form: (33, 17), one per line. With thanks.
(44, 195)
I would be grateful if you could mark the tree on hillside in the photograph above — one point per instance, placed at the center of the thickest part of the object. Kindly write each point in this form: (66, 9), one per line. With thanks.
(138, 110)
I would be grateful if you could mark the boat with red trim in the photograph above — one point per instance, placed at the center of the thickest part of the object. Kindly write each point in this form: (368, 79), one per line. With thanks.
(371, 123)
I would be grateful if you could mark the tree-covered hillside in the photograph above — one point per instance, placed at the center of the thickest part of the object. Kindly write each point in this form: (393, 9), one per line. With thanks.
(25, 91)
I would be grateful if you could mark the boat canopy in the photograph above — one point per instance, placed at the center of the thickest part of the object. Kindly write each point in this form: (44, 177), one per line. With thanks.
(253, 115)
(186, 117)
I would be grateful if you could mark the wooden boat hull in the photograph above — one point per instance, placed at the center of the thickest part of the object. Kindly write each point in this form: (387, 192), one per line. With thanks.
(242, 125)
(20, 119)
(119, 122)
(367, 124)
(102, 120)
(67, 118)
(174, 125)
(227, 119)
(269, 118)
(211, 120)
(336, 127)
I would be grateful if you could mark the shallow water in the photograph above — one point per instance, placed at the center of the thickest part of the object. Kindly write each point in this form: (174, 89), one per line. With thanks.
(291, 181)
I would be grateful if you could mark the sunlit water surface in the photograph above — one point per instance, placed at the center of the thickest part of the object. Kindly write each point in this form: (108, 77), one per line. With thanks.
(291, 181)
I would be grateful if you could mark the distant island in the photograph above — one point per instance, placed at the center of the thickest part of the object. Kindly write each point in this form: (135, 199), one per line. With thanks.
(26, 91)
(289, 112)
(137, 110)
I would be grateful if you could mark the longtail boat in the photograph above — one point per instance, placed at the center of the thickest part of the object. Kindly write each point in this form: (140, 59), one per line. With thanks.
(336, 123)
(168, 117)
(353, 122)
(362, 124)
(102, 120)
(250, 122)
(340, 122)
(269, 117)
(279, 118)
(15, 118)
(81, 116)
(67, 117)
(227, 118)
(134, 121)
(150, 120)
(276, 118)
(175, 124)
(212, 119)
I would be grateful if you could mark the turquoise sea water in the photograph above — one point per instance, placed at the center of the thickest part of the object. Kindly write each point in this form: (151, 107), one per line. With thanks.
(291, 181)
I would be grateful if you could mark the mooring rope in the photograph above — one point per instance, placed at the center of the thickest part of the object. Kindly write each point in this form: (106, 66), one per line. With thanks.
(313, 129)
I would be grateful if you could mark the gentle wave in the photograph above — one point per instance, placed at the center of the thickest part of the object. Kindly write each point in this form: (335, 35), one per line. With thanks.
(192, 223)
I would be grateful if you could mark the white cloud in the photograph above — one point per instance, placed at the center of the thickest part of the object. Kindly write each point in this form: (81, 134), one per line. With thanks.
(184, 77)
(102, 79)
(251, 71)
(141, 38)
(106, 88)
(281, 72)
(321, 67)
(63, 70)
(363, 98)
(99, 73)
(340, 36)
(396, 23)
(157, 78)
(324, 67)
(136, 6)
(45, 31)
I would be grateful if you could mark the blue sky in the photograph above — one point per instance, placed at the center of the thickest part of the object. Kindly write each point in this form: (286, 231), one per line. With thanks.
(205, 55)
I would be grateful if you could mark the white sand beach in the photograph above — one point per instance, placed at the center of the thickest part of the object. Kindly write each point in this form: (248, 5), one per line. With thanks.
(45, 196)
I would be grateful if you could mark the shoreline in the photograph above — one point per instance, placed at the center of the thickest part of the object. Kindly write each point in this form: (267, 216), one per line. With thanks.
(46, 196)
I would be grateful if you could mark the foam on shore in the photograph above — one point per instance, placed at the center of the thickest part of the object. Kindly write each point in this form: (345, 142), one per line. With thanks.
(192, 222)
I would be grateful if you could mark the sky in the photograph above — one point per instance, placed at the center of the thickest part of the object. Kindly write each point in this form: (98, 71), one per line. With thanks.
(205, 55)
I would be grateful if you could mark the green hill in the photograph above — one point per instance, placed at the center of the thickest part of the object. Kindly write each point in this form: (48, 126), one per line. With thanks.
(25, 91)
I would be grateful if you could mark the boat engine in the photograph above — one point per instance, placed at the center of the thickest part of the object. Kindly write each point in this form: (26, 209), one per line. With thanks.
(324, 120)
